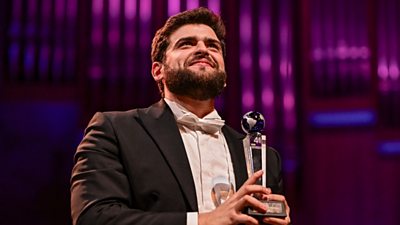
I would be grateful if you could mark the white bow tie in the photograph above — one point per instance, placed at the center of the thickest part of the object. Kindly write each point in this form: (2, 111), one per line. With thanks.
(208, 125)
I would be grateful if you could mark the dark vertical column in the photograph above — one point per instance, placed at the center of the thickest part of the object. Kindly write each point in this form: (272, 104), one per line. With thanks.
(85, 69)
(230, 12)
(5, 15)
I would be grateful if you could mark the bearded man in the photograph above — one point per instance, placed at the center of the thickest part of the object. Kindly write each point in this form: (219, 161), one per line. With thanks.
(159, 165)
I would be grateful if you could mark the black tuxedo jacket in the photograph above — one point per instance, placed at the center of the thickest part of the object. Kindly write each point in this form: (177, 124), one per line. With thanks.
(131, 168)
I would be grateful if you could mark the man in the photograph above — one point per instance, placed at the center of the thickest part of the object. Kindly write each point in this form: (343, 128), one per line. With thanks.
(157, 165)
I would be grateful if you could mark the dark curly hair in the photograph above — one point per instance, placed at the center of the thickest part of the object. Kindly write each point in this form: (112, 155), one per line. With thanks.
(195, 16)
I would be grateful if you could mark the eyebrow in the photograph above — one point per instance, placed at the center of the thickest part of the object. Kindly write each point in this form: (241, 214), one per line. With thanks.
(193, 38)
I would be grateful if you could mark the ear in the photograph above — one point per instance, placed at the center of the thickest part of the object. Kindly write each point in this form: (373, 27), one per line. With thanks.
(157, 71)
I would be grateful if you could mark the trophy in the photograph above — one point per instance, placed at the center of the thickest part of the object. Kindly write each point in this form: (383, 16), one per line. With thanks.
(255, 149)
(221, 191)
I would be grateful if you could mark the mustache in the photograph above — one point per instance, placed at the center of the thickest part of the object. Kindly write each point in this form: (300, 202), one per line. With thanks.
(201, 57)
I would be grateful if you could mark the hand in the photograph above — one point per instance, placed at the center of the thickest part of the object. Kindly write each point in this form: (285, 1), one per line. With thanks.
(230, 212)
(277, 221)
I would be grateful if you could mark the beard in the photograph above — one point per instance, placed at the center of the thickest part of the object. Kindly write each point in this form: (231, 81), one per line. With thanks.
(196, 85)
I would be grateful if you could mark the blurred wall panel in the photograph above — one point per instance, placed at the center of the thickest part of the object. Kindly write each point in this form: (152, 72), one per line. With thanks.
(347, 110)
(388, 63)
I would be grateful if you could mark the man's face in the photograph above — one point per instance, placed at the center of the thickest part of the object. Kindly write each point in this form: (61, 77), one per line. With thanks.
(194, 64)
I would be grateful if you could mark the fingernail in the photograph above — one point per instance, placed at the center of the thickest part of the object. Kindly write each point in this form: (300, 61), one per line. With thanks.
(264, 207)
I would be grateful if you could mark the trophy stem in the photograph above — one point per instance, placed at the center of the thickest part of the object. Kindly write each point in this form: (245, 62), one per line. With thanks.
(255, 153)
(263, 159)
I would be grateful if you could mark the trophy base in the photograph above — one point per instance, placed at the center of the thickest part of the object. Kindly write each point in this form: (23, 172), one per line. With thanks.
(274, 209)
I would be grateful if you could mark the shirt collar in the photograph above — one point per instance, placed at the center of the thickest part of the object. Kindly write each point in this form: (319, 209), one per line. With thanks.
(178, 110)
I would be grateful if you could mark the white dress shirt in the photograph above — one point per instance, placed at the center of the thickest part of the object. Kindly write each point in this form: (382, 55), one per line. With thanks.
(207, 153)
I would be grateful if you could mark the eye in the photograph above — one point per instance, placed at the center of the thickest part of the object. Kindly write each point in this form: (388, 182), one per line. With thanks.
(214, 46)
(185, 43)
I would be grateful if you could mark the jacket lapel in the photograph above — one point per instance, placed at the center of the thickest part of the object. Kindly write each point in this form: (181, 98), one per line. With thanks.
(235, 144)
(160, 123)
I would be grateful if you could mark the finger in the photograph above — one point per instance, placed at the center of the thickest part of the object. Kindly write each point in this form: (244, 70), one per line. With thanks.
(251, 189)
(276, 197)
(246, 219)
(273, 220)
(249, 201)
(265, 196)
(253, 179)
(280, 198)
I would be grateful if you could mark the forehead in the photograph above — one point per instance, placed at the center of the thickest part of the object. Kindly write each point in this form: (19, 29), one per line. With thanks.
(198, 31)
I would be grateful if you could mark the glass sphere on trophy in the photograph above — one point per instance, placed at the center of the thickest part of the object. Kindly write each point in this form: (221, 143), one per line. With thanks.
(255, 149)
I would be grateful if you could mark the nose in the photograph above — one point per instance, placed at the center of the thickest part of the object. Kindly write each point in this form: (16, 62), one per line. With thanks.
(201, 48)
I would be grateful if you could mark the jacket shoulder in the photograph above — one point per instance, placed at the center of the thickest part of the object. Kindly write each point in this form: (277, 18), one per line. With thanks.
(154, 110)
(116, 115)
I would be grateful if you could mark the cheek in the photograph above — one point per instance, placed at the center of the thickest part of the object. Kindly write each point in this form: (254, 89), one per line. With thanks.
(220, 60)
(221, 63)
(175, 61)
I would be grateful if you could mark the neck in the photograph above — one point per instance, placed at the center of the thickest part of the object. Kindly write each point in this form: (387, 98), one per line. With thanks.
(198, 107)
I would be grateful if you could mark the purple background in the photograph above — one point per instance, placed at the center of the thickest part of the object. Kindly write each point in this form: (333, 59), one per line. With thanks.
(325, 74)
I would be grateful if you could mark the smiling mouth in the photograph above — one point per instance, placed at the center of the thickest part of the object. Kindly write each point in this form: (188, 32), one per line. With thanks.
(202, 63)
